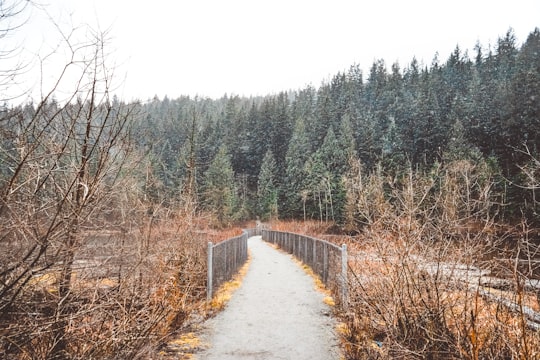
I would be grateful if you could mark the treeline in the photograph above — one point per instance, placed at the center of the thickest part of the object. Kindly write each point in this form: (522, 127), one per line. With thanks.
(289, 155)
(286, 154)
(100, 200)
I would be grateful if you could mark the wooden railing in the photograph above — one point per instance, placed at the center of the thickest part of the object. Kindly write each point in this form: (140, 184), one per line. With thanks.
(327, 260)
(224, 260)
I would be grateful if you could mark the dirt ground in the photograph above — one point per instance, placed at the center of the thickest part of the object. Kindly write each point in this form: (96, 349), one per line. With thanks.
(276, 314)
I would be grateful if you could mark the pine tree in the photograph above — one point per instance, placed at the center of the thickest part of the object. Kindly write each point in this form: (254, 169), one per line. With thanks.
(254, 147)
(294, 187)
(266, 191)
(219, 187)
(525, 94)
(317, 126)
(325, 170)
(459, 148)
(280, 134)
(346, 137)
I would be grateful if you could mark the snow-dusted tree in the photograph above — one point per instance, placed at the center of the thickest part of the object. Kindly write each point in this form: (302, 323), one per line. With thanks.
(267, 192)
(219, 187)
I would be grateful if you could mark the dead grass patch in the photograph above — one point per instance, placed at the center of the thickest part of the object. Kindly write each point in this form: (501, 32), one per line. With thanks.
(130, 290)
(407, 301)
(225, 292)
(408, 312)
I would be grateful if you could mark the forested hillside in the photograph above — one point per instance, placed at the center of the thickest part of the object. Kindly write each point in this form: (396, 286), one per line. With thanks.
(287, 154)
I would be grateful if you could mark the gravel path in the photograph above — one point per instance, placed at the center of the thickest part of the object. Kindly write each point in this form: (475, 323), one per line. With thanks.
(275, 314)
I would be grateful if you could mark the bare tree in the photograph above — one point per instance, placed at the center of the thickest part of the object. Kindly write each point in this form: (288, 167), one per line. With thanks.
(13, 15)
(60, 163)
(531, 173)
(83, 272)
(434, 275)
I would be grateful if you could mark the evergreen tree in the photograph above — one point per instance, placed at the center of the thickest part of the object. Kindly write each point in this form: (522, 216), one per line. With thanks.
(431, 129)
(377, 99)
(267, 192)
(369, 147)
(318, 126)
(458, 146)
(237, 142)
(504, 125)
(254, 146)
(481, 123)
(219, 187)
(525, 95)
(346, 137)
(294, 187)
(281, 131)
(453, 108)
(325, 170)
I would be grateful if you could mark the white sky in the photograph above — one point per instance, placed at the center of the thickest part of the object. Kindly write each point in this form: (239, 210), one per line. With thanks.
(258, 47)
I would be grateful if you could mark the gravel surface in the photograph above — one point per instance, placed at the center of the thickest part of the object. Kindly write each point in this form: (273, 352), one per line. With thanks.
(275, 314)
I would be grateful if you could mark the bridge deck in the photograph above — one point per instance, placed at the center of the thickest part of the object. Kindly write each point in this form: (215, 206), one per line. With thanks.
(275, 314)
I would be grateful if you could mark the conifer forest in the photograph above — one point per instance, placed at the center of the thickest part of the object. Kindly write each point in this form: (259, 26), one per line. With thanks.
(425, 171)
(289, 155)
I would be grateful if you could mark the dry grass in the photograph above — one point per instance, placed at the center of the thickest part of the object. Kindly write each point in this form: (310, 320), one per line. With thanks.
(310, 227)
(182, 347)
(409, 297)
(185, 345)
(410, 313)
(130, 291)
(318, 284)
(225, 292)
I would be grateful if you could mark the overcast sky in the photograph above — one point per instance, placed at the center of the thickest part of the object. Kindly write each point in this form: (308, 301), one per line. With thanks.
(257, 47)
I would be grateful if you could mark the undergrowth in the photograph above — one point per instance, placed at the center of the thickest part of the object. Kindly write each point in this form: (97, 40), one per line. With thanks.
(133, 288)
(433, 272)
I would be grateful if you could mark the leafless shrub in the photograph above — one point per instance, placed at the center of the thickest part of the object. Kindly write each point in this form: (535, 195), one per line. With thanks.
(366, 200)
(531, 175)
(90, 268)
(418, 276)
(129, 291)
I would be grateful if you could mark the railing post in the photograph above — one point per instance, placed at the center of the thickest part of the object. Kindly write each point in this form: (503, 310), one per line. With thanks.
(314, 260)
(258, 226)
(325, 263)
(210, 272)
(344, 277)
(233, 255)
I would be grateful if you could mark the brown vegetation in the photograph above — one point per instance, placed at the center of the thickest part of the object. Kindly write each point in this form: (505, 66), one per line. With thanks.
(433, 272)
(93, 266)
(130, 290)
